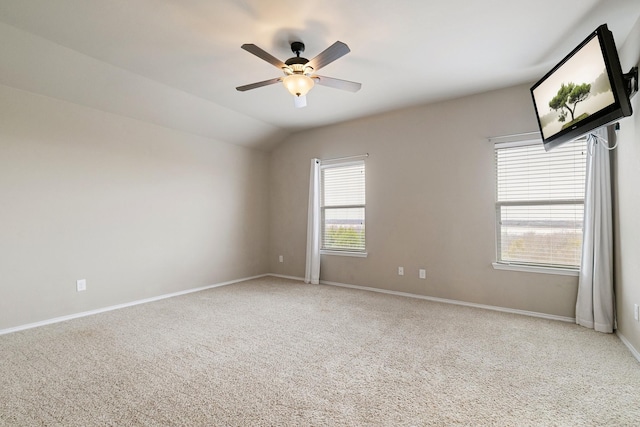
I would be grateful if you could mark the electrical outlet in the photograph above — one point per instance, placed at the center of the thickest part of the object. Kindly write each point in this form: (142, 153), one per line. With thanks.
(400, 271)
(281, 258)
(423, 273)
(81, 285)
(636, 314)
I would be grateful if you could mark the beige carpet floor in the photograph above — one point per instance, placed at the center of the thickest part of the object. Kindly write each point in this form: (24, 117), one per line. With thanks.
(271, 352)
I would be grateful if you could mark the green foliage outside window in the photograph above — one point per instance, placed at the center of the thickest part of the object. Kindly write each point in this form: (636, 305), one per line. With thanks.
(344, 238)
(550, 248)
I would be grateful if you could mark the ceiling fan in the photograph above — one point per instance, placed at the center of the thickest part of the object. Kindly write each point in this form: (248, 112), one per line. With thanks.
(299, 75)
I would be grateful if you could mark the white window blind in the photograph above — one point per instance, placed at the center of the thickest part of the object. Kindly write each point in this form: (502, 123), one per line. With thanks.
(540, 204)
(343, 206)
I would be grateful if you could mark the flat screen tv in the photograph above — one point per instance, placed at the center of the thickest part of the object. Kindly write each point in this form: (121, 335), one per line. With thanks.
(586, 90)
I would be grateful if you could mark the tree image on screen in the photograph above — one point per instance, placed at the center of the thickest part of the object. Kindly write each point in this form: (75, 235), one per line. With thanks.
(567, 99)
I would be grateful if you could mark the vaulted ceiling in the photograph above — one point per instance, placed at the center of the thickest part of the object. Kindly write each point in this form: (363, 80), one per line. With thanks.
(177, 63)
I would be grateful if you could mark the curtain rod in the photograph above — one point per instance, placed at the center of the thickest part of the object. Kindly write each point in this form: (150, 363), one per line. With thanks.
(346, 158)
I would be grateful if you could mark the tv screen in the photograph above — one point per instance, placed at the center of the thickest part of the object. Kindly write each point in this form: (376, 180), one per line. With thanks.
(586, 90)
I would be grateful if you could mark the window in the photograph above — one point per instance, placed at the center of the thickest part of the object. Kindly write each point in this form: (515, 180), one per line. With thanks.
(540, 204)
(343, 207)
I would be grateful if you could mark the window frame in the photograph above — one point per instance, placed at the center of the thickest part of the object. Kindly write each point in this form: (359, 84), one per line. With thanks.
(517, 265)
(334, 250)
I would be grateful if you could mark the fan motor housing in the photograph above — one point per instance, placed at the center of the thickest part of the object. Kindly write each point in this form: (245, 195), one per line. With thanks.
(296, 60)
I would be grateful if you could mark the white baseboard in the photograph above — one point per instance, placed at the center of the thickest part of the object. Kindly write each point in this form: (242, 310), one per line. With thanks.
(631, 348)
(323, 282)
(626, 342)
(118, 306)
(436, 299)
(455, 302)
(282, 276)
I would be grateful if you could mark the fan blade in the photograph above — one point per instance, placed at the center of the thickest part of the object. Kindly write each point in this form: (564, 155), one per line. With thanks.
(259, 84)
(337, 83)
(330, 54)
(252, 48)
(300, 101)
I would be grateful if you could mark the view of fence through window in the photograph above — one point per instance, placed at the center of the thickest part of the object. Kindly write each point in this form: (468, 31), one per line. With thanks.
(540, 204)
(343, 207)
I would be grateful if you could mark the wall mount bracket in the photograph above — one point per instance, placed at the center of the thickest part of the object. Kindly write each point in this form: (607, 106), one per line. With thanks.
(631, 79)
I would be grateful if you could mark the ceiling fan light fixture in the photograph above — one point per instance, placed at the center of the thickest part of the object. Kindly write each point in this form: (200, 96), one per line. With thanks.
(298, 84)
(299, 73)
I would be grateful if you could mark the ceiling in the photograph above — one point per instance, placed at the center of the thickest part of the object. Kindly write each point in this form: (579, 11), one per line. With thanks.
(177, 63)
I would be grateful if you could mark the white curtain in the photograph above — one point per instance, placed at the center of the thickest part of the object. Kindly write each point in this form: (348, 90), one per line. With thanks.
(312, 272)
(595, 304)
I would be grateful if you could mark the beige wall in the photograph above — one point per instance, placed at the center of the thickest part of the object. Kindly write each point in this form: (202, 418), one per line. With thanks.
(135, 209)
(430, 203)
(627, 205)
(140, 210)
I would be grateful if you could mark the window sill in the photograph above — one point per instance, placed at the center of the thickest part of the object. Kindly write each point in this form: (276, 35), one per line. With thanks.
(536, 269)
(344, 253)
